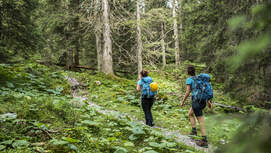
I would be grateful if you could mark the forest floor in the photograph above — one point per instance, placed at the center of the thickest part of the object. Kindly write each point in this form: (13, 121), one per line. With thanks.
(40, 113)
(175, 134)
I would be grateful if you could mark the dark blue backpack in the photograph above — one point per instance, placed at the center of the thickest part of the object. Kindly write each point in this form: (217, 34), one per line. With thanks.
(146, 89)
(203, 89)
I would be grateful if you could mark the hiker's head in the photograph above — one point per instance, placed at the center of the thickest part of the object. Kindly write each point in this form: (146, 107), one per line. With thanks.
(144, 73)
(191, 70)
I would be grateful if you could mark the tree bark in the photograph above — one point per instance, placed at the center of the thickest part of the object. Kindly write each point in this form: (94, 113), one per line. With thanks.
(176, 36)
(99, 50)
(77, 50)
(98, 36)
(181, 31)
(69, 62)
(48, 56)
(139, 40)
(163, 45)
(76, 27)
(107, 49)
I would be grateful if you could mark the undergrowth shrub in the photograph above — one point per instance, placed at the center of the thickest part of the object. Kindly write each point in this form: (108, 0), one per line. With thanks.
(38, 115)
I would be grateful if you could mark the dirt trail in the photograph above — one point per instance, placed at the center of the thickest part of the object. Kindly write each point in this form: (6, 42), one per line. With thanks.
(175, 134)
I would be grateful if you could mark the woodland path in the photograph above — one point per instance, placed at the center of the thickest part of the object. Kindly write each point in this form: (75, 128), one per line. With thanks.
(175, 134)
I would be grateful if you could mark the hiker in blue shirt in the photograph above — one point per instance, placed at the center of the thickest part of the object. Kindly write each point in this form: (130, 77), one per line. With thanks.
(146, 100)
(197, 107)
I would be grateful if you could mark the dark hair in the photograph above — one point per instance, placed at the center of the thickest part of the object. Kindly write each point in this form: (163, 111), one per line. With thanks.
(144, 73)
(191, 70)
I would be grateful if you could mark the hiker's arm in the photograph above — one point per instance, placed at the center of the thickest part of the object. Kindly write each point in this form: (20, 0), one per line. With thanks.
(186, 94)
(138, 87)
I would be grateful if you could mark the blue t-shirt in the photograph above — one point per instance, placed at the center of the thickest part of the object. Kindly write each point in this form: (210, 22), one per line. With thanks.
(140, 82)
(190, 81)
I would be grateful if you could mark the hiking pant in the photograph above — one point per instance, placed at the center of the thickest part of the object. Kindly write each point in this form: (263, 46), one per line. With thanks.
(198, 106)
(146, 104)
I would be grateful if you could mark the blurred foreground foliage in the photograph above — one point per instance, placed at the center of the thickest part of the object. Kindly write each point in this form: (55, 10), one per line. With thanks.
(253, 136)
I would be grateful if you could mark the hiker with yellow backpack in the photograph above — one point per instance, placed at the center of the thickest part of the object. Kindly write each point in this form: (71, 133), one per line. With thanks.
(202, 94)
(148, 90)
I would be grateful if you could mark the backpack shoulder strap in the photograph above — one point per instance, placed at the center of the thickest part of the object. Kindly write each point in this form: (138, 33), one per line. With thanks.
(194, 78)
(148, 80)
(205, 77)
(143, 80)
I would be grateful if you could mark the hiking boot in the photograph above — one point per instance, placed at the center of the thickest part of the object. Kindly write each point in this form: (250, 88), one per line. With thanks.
(202, 143)
(151, 124)
(193, 133)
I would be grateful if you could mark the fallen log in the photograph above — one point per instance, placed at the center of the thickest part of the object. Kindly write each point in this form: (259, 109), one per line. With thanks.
(38, 144)
(84, 67)
(80, 67)
(228, 106)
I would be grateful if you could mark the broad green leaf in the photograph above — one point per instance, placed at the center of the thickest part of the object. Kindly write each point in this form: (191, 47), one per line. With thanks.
(189, 151)
(71, 140)
(59, 89)
(20, 143)
(8, 142)
(150, 151)
(90, 123)
(73, 147)
(58, 142)
(120, 150)
(154, 144)
(132, 137)
(128, 144)
(171, 144)
(10, 85)
(138, 130)
(2, 147)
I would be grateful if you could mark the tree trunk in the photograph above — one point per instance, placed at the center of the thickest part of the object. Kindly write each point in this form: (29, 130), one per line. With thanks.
(107, 49)
(77, 50)
(139, 40)
(69, 49)
(98, 36)
(69, 62)
(176, 37)
(181, 32)
(163, 45)
(76, 27)
(48, 56)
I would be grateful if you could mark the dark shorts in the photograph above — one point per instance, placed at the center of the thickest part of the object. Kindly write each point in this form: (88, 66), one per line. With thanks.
(197, 107)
